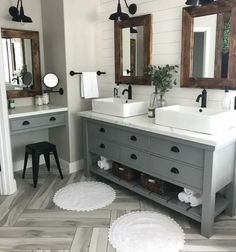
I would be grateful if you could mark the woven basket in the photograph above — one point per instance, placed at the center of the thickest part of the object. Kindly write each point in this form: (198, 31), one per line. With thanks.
(156, 185)
(124, 172)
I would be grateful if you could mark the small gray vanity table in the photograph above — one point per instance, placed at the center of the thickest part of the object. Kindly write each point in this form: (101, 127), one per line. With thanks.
(203, 163)
(31, 118)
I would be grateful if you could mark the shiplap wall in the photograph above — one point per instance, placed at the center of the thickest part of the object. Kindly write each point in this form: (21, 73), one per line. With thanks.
(166, 49)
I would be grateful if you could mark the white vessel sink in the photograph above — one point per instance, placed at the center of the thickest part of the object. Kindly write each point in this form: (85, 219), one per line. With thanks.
(119, 107)
(204, 120)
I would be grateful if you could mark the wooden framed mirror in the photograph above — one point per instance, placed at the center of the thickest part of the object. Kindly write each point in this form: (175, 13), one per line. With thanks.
(209, 45)
(21, 58)
(133, 50)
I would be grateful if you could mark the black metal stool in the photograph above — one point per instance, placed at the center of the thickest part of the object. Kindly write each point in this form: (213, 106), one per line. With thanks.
(37, 149)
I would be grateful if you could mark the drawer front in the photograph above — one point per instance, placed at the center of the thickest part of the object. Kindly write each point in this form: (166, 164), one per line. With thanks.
(135, 139)
(103, 131)
(104, 148)
(37, 122)
(174, 171)
(134, 158)
(177, 151)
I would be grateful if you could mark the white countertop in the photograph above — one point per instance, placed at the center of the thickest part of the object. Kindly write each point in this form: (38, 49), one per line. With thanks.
(147, 124)
(23, 111)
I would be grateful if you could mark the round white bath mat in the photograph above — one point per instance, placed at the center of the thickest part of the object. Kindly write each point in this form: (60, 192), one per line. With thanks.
(146, 232)
(84, 196)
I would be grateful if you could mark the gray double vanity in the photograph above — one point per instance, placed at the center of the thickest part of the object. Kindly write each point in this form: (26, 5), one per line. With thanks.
(201, 162)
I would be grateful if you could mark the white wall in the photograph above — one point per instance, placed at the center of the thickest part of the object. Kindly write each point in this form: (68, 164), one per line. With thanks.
(82, 47)
(71, 43)
(55, 62)
(33, 9)
(167, 26)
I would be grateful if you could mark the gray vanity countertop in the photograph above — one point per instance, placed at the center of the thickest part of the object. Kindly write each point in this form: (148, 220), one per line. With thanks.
(23, 111)
(147, 124)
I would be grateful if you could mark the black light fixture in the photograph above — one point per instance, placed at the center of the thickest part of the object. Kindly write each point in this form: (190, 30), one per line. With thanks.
(119, 15)
(198, 2)
(19, 16)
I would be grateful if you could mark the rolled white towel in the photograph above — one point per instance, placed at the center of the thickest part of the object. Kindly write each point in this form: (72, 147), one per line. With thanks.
(181, 196)
(195, 200)
(99, 163)
(105, 164)
(188, 191)
(103, 158)
(184, 197)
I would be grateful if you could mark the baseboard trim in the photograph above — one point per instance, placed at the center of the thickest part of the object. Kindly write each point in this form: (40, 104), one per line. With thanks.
(18, 165)
(67, 167)
(72, 167)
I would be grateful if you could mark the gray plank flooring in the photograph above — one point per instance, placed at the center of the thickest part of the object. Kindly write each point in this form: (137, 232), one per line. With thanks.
(30, 222)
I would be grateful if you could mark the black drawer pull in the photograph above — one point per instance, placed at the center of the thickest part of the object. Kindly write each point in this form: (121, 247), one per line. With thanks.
(102, 130)
(133, 138)
(102, 146)
(174, 170)
(52, 119)
(134, 157)
(175, 149)
(25, 123)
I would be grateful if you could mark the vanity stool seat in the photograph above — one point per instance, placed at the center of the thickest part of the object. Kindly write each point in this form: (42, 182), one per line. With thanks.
(37, 149)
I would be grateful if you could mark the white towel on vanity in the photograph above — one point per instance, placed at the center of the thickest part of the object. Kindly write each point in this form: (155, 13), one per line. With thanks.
(189, 196)
(189, 191)
(195, 200)
(89, 85)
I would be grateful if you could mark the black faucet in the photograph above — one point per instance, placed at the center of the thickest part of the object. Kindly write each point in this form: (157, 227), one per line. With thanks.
(17, 79)
(203, 97)
(129, 90)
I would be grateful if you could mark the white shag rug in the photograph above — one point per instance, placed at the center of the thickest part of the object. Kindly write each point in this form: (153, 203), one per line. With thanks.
(146, 232)
(84, 196)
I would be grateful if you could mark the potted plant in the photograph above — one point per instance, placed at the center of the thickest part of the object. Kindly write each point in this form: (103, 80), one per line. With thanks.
(162, 78)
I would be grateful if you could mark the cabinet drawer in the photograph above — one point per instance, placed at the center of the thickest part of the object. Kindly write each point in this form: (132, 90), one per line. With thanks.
(103, 131)
(104, 148)
(181, 152)
(174, 171)
(135, 139)
(135, 159)
(27, 123)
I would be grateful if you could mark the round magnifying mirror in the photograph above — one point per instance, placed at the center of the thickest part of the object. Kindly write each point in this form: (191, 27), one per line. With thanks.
(50, 80)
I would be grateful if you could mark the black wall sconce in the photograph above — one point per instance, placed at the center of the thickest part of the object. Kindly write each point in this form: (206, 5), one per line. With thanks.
(119, 15)
(19, 15)
(198, 2)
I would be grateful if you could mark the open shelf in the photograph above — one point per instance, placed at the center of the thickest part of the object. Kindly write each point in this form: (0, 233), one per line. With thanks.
(169, 200)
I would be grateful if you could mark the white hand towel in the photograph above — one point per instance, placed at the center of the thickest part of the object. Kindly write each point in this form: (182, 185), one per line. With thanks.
(89, 85)
(195, 200)
(188, 191)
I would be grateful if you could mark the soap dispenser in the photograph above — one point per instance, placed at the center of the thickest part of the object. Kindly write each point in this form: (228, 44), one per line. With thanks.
(226, 99)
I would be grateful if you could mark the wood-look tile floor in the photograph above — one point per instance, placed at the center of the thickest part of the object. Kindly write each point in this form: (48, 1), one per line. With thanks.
(30, 222)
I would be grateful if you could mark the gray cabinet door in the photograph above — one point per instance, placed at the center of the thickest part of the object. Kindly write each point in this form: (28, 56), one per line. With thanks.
(187, 175)
(36, 122)
(175, 150)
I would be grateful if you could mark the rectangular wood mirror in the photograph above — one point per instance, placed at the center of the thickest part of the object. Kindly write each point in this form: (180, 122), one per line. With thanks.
(209, 45)
(21, 57)
(133, 50)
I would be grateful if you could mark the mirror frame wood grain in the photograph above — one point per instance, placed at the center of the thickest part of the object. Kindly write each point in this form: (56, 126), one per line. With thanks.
(34, 37)
(146, 22)
(188, 14)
